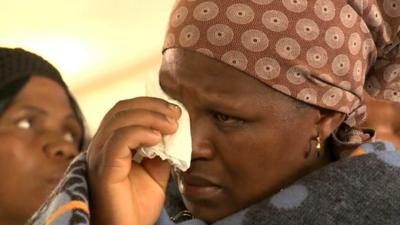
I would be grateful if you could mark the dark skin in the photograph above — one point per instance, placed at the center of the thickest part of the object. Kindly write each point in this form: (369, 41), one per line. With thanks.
(383, 116)
(39, 136)
(242, 152)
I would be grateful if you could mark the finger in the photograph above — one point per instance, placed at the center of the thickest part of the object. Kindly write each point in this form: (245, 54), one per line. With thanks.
(143, 117)
(159, 170)
(149, 103)
(114, 161)
(138, 117)
(123, 114)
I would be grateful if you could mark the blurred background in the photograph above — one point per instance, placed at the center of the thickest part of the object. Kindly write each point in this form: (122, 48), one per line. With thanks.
(103, 48)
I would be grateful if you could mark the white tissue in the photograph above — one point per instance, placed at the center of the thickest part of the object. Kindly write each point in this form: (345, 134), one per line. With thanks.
(176, 148)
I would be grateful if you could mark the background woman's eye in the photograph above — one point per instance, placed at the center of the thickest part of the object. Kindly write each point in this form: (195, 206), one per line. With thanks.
(69, 137)
(24, 124)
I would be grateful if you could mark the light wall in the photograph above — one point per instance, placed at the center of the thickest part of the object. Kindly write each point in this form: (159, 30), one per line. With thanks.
(104, 48)
(96, 99)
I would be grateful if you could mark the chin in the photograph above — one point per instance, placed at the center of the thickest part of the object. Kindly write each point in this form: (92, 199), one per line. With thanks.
(207, 212)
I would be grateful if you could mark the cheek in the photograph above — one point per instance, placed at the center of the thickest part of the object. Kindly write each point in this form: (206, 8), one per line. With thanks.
(262, 161)
(262, 148)
(20, 165)
(17, 155)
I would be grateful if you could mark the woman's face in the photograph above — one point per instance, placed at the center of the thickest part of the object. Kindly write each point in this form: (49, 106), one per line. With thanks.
(248, 140)
(39, 135)
(384, 118)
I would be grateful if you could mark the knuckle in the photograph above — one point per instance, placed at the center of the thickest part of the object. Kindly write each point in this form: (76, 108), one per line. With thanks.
(119, 114)
(119, 133)
(124, 101)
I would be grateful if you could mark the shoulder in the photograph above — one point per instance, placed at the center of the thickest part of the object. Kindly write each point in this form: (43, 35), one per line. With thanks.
(363, 189)
(378, 146)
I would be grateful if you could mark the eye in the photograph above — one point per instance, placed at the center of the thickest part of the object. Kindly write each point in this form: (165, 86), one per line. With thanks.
(69, 137)
(72, 131)
(24, 124)
(226, 119)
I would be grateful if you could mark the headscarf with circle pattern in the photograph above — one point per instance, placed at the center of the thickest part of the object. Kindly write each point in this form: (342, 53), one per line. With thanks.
(321, 52)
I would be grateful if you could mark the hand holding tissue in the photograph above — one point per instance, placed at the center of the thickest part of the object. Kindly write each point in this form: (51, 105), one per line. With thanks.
(176, 148)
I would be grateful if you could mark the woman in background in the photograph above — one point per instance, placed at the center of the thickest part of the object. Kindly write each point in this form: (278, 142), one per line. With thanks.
(41, 131)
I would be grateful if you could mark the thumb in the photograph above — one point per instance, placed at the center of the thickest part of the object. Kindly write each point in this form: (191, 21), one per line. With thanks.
(159, 170)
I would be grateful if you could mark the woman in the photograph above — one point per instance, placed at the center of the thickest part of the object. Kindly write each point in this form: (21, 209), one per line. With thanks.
(274, 91)
(41, 130)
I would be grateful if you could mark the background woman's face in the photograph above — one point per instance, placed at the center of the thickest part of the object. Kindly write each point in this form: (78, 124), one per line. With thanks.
(39, 135)
(248, 140)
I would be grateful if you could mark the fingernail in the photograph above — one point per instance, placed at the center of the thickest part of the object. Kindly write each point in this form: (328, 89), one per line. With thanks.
(173, 106)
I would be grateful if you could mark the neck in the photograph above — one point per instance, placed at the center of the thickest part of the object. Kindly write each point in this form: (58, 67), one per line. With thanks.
(324, 159)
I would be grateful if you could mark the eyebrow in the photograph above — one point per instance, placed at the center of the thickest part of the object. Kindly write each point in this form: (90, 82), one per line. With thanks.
(214, 100)
(43, 112)
(34, 109)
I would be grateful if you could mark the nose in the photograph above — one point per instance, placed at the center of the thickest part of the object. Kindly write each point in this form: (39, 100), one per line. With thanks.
(57, 148)
(202, 145)
(63, 151)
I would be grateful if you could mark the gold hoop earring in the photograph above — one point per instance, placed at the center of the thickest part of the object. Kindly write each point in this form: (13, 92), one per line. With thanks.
(315, 146)
(318, 146)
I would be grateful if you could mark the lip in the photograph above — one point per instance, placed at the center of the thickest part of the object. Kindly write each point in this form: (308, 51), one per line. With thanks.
(196, 187)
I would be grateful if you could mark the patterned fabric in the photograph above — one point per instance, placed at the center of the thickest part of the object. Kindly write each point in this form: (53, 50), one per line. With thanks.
(362, 189)
(69, 202)
(320, 52)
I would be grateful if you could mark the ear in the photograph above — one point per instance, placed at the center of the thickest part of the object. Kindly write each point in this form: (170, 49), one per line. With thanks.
(329, 121)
